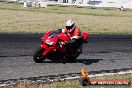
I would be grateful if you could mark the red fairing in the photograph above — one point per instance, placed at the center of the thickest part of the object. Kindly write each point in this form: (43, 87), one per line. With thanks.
(52, 37)
(61, 49)
(46, 38)
(44, 46)
(49, 49)
(85, 35)
(64, 37)
(52, 49)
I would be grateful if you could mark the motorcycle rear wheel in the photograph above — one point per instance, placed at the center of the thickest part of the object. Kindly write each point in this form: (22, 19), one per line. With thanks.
(73, 57)
(38, 57)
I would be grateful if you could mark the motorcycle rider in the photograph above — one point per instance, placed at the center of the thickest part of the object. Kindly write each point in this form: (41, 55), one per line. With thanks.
(73, 32)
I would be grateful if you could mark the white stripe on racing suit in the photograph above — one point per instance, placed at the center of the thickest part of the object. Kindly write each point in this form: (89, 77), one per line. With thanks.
(76, 37)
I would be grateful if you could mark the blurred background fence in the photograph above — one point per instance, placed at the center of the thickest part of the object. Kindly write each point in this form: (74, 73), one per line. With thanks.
(94, 3)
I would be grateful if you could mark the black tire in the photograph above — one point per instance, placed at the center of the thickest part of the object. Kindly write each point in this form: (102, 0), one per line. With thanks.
(72, 58)
(84, 81)
(77, 53)
(38, 57)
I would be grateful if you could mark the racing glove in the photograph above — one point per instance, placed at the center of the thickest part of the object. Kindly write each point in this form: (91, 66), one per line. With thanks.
(70, 42)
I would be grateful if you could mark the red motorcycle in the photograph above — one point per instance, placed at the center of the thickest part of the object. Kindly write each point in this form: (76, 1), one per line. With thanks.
(55, 45)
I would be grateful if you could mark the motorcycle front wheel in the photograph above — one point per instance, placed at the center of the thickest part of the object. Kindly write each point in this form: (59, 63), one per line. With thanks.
(38, 57)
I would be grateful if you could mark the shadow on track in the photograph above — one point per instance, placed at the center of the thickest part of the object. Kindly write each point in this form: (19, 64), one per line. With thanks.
(88, 61)
(84, 61)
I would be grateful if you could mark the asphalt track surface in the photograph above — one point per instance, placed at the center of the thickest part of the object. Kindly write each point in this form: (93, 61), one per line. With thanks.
(102, 53)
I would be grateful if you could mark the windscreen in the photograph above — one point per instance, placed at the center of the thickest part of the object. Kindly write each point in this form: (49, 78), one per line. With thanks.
(54, 33)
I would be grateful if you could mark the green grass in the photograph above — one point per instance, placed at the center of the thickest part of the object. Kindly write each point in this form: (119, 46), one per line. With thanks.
(75, 83)
(16, 19)
(68, 10)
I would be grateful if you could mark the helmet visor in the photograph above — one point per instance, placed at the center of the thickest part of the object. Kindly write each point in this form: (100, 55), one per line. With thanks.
(69, 27)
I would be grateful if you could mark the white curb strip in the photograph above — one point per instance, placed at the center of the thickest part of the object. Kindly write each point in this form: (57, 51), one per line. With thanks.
(77, 77)
(123, 72)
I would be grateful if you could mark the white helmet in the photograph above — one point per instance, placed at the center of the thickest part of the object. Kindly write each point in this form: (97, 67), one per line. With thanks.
(70, 25)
